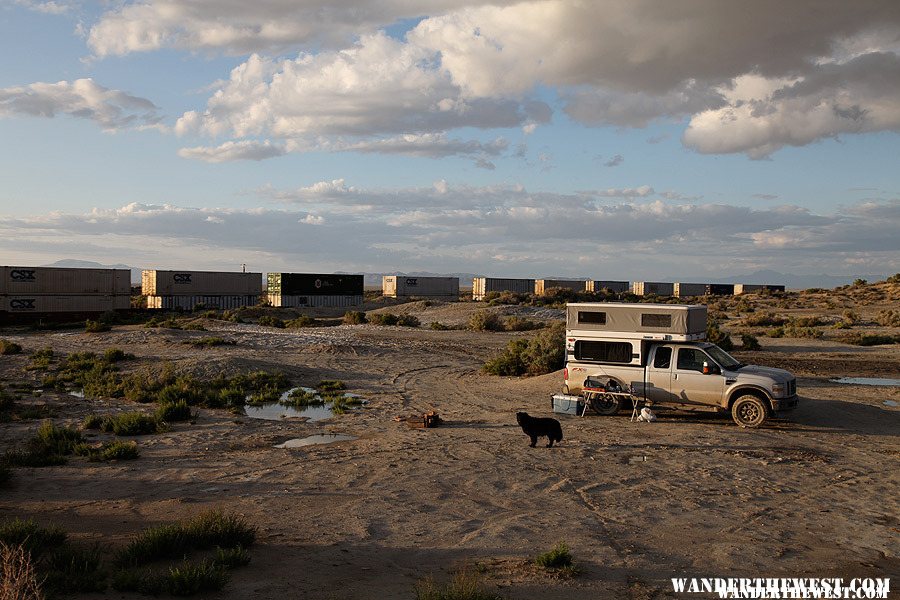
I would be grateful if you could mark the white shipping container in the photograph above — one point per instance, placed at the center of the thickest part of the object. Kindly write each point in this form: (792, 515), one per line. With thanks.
(200, 283)
(88, 303)
(63, 281)
(482, 286)
(314, 301)
(191, 302)
(542, 285)
(645, 288)
(613, 286)
(683, 290)
(402, 286)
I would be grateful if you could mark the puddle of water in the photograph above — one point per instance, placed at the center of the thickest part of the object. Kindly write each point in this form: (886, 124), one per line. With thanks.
(322, 438)
(633, 460)
(868, 381)
(890, 403)
(276, 412)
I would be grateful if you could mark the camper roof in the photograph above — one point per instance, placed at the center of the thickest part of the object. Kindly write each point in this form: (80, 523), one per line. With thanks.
(622, 318)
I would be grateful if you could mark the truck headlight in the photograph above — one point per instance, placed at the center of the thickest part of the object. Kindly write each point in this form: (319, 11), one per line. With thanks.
(778, 389)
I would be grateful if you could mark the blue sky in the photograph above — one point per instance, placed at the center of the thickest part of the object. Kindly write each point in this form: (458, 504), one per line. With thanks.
(634, 140)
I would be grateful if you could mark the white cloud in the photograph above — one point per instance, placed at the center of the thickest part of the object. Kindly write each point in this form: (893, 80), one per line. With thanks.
(454, 228)
(82, 98)
(230, 151)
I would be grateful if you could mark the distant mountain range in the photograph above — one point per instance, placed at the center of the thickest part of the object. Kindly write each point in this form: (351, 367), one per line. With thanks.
(789, 280)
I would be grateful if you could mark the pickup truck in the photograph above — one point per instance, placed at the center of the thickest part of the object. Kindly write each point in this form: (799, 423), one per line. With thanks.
(668, 369)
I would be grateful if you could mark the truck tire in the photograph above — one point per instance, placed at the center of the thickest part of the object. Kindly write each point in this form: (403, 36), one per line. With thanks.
(606, 404)
(749, 411)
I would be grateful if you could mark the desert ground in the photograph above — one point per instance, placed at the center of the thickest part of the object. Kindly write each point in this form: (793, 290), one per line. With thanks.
(814, 492)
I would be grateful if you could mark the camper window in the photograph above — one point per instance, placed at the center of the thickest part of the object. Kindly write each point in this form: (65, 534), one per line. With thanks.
(596, 318)
(612, 352)
(655, 320)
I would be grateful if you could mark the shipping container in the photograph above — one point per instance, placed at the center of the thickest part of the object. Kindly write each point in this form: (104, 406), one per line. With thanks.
(612, 286)
(314, 284)
(743, 288)
(30, 281)
(205, 301)
(720, 289)
(482, 286)
(402, 286)
(200, 283)
(67, 303)
(684, 290)
(645, 288)
(345, 300)
(619, 319)
(542, 285)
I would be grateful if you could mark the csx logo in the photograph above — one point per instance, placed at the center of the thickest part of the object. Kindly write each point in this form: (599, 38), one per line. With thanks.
(181, 277)
(22, 275)
(22, 304)
(412, 282)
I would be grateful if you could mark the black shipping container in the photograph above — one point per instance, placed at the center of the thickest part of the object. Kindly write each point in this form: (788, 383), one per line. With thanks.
(720, 289)
(314, 284)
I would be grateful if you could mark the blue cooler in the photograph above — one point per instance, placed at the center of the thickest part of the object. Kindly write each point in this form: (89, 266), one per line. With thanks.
(565, 404)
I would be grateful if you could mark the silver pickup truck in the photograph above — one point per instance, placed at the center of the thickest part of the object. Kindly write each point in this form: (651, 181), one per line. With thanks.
(657, 352)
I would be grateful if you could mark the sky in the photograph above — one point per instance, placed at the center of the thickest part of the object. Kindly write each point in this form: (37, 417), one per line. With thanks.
(632, 139)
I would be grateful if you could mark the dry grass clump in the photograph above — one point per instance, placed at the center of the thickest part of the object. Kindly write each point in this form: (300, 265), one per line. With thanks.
(18, 579)
(465, 585)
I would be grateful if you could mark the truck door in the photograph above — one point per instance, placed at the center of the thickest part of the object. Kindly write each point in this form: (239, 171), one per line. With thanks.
(690, 385)
(659, 375)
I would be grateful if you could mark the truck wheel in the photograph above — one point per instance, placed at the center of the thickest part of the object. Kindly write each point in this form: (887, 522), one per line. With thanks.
(749, 411)
(606, 404)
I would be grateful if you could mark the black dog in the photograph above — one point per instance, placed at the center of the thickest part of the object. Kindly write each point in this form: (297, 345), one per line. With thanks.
(535, 428)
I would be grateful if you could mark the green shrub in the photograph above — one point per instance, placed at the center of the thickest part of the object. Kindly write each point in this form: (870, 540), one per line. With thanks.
(95, 326)
(465, 585)
(519, 324)
(888, 318)
(232, 558)
(142, 582)
(807, 322)
(875, 340)
(352, 317)
(40, 359)
(171, 412)
(270, 321)
(538, 355)
(8, 347)
(718, 337)
(300, 398)
(131, 423)
(777, 332)
(484, 320)
(36, 540)
(497, 298)
(749, 342)
(57, 440)
(557, 558)
(115, 450)
(73, 570)
(206, 530)
(331, 385)
(303, 321)
(93, 422)
(190, 578)
(408, 321)
(765, 319)
(437, 326)
(384, 319)
(114, 355)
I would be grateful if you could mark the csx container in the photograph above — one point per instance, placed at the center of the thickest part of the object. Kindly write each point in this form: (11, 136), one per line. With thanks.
(645, 288)
(63, 303)
(743, 288)
(311, 301)
(200, 283)
(684, 290)
(542, 285)
(29, 281)
(612, 286)
(402, 286)
(720, 289)
(314, 284)
(482, 286)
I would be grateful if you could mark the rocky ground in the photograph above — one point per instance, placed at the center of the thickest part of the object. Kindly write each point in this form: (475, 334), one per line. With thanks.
(814, 493)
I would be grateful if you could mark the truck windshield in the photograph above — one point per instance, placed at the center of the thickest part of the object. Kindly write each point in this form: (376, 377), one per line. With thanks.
(725, 360)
